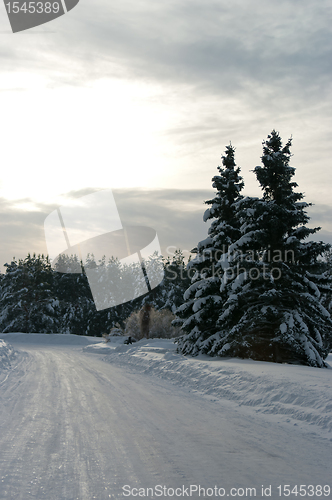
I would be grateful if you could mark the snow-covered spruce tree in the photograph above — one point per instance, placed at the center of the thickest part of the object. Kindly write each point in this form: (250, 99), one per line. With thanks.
(78, 310)
(74, 295)
(169, 294)
(274, 310)
(199, 313)
(114, 286)
(28, 303)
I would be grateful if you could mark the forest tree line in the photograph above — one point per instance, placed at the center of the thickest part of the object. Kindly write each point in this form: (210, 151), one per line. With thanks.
(35, 297)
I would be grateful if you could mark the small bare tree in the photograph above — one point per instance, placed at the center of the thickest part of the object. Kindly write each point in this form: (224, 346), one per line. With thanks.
(145, 313)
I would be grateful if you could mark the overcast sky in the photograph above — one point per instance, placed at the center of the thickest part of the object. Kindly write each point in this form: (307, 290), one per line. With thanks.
(142, 97)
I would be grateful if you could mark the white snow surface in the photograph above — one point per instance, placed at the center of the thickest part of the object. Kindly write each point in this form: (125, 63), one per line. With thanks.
(298, 395)
(7, 355)
(81, 418)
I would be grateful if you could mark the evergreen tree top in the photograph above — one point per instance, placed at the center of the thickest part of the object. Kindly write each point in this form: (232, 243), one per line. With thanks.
(276, 173)
(229, 184)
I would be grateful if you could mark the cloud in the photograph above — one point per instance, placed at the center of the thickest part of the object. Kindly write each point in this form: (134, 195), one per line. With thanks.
(175, 214)
(215, 46)
(221, 70)
(21, 231)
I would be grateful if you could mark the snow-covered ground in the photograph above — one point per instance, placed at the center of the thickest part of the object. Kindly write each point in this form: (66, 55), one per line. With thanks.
(83, 420)
(7, 356)
(296, 395)
(7, 353)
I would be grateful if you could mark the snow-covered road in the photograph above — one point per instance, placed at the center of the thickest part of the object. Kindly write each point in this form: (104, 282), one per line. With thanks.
(74, 427)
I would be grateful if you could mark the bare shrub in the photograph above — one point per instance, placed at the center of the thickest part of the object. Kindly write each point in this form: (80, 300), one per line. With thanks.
(160, 325)
(132, 325)
(145, 320)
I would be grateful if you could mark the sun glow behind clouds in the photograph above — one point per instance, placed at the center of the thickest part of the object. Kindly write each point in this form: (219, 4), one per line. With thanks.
(57, 140)
(116, 133)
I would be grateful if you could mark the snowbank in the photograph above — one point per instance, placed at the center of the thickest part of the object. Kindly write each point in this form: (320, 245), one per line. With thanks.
(7, 355)
(297, 395)
(48, 339)
(290, 394)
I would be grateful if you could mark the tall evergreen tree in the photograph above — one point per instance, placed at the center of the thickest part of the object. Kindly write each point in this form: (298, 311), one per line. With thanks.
(273, 283)
(76, 306)
(28, 303)
(198, 315)
(175, 283)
